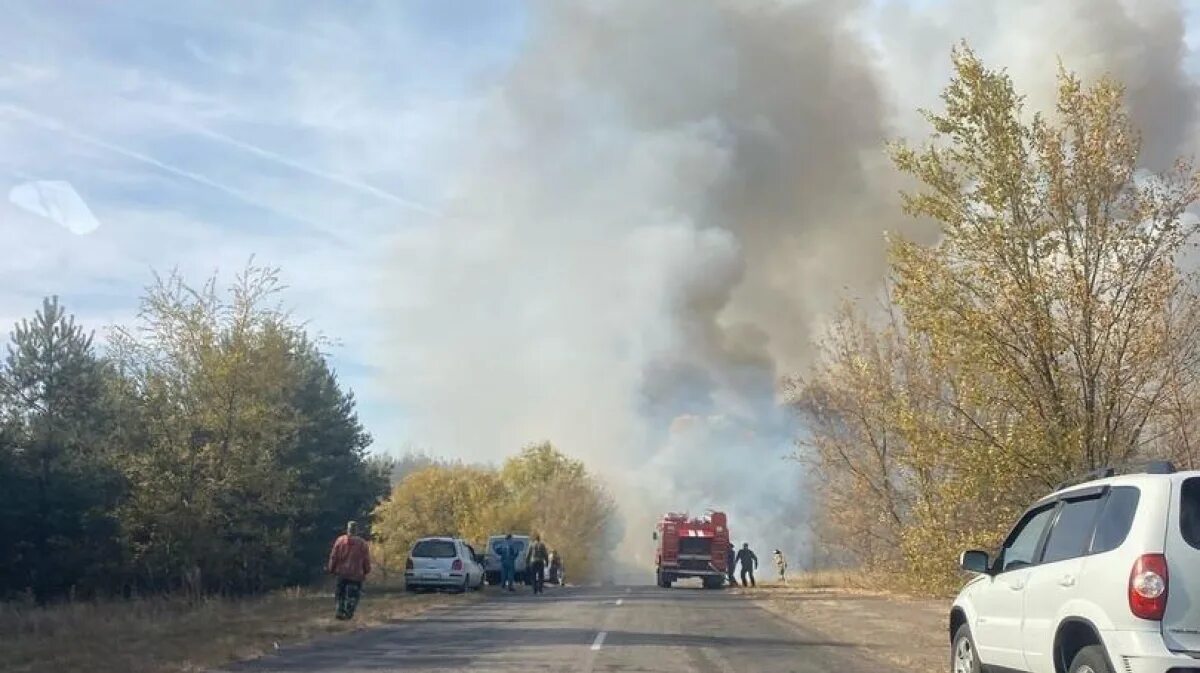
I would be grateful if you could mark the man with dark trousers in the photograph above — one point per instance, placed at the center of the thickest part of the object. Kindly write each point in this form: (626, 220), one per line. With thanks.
(535, 563)
(749, 563)
(350, 562)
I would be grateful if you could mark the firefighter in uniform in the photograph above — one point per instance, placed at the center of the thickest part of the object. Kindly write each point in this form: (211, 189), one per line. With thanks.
(781, 565)
(749, 563)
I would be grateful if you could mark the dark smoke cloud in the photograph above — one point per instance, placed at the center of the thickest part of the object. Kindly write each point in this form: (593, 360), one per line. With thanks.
(662, 202)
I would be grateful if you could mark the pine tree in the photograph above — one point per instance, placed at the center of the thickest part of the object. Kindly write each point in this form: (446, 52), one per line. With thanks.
(59, 509)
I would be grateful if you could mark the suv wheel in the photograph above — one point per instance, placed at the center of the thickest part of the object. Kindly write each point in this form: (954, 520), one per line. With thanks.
(963, 657)
(1090, 659)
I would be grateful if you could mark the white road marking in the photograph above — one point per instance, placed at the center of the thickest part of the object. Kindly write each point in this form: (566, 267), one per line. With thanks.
(599, 642)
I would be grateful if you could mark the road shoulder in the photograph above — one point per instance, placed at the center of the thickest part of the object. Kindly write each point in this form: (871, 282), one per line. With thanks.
(909, 633)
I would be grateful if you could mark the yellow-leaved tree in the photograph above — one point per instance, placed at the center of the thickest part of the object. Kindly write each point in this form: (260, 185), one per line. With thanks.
(540, 490)
(442, 499)
(1048, 332)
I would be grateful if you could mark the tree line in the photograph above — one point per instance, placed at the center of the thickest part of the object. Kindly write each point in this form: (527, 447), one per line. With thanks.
(209, 448)
(540, 490)
(1049, 331)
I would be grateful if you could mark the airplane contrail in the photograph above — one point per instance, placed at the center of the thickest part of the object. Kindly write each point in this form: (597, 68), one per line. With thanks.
(49, 123)
(303, 168)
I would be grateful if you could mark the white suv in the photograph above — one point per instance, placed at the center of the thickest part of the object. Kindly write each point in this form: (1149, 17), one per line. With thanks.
(1098, 577)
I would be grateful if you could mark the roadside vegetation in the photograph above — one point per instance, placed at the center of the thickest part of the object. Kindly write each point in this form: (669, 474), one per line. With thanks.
(540, 490)
(169, 634)
(206, 449)
(1048, 332)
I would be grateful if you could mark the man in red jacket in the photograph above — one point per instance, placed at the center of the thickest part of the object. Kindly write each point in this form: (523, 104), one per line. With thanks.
(350, 561)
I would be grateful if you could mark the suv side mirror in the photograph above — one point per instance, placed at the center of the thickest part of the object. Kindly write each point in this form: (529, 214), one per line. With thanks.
(975, 561)
(654, 535)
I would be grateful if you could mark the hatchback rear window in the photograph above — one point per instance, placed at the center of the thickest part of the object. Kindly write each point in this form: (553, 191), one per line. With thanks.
(1189, 511)
(434, 549)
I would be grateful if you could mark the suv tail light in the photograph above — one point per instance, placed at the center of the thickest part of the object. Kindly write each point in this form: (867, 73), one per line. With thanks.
(457, 565)
(408, 565)
(1148, 587)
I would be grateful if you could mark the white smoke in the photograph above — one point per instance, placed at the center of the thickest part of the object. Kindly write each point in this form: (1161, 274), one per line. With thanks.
(661, 201)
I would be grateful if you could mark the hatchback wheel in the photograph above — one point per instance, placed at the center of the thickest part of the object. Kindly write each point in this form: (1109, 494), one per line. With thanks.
(963, 657)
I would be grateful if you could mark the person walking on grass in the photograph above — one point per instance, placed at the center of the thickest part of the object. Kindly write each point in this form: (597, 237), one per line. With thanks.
(781, 566)
(749, 563)
(535, 563)
(350, 562)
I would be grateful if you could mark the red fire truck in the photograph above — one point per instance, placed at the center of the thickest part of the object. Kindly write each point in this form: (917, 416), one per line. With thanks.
(692, 548)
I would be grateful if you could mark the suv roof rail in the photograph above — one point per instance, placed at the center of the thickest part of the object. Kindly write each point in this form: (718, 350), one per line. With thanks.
(1144, 467)
(1099, 473)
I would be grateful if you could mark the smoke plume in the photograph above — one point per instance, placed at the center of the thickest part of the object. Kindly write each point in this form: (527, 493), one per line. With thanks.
(660, 201)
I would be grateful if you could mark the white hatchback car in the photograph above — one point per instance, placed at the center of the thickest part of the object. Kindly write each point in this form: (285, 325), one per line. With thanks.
(1102, 576)
(443, 563)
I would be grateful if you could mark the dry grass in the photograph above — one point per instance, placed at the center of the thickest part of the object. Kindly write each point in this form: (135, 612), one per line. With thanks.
(825, 579)
(907, 632)
(170, 636)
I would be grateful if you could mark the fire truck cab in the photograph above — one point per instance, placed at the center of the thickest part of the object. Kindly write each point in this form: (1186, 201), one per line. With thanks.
(692, 548)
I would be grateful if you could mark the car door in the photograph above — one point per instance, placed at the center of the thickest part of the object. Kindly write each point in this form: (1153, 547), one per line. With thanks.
(1055, 579)
(999, 601)
(474, 570)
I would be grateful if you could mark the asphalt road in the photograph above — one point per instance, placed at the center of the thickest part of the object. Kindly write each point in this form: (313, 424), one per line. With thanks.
(582, 630)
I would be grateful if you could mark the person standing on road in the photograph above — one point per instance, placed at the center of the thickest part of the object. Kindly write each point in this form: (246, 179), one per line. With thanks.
(555, 567)
(749, 563)
(781, 565)
(508, 563)
(730, 562)
(350, 562)
(535, 562)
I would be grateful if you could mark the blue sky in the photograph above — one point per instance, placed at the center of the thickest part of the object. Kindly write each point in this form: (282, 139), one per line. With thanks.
(308, 135)
(319, 137)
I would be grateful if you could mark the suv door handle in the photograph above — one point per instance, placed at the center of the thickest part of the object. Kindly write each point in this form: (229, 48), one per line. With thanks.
(1067, 581)
(1017, 586)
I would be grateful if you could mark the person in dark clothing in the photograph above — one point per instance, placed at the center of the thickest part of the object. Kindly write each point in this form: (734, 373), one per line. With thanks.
(730, 562)
(535, 562)
(749, 563)
(508, 562)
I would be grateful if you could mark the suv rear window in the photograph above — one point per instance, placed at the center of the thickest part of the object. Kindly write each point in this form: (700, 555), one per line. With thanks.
(434, 549)
(1189, 511)
(1117, 518)
(1069, 537)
